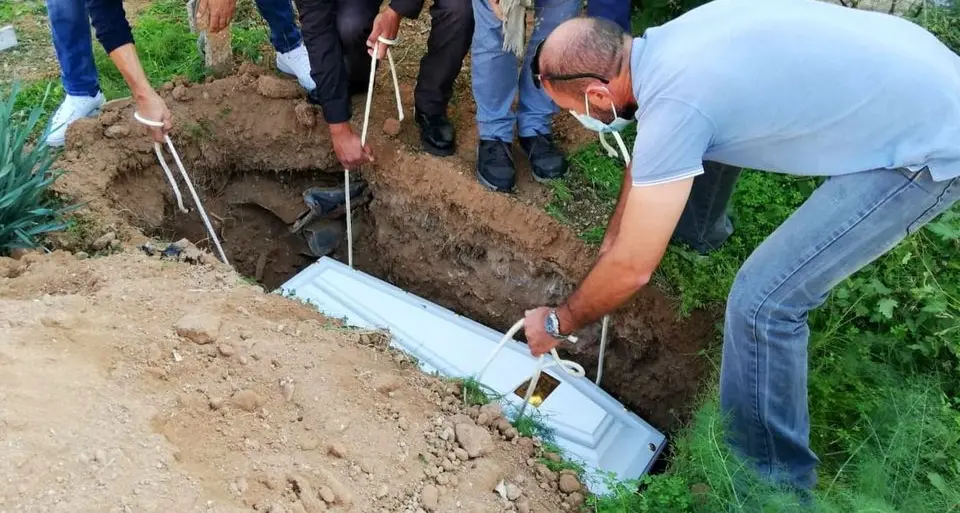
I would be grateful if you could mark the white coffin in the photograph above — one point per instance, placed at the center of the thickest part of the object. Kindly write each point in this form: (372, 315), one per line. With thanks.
(587, 423)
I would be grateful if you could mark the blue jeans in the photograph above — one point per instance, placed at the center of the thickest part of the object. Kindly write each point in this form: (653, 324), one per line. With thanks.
(70, 26)
(848, 222)
(617, 11)
(495, 74)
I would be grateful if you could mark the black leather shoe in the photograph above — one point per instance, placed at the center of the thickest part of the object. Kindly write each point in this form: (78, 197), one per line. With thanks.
(436, 134)
(495, 168)
(546, 161)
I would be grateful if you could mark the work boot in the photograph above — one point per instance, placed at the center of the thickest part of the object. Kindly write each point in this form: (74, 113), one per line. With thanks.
(495, 168)
(436, 134)
(296, 62)
(546, 161)
(72, 109)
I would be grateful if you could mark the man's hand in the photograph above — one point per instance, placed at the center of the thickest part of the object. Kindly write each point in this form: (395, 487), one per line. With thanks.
(221, 12)
(346, 144)
(387, 25)
(497, 10)
(538, 339)
(152, 107)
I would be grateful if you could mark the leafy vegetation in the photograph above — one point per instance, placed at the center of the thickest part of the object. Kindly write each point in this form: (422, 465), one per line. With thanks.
(27, 211)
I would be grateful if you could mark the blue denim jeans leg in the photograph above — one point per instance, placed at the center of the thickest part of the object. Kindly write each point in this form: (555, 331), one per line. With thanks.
(70, 28)
(617, 11)
(496, 79)
(284, 33)
(848, 222)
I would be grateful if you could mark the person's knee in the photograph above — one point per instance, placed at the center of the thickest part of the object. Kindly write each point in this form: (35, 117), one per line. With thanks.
(457, 14)
(65, 11)
(353, 26)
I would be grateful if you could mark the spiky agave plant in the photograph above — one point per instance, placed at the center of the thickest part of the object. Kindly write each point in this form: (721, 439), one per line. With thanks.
(27, 210)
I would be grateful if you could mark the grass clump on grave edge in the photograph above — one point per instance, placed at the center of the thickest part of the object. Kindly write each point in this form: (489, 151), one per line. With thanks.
(27, 209)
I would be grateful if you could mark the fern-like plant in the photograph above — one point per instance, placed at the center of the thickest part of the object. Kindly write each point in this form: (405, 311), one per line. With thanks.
(27, 210)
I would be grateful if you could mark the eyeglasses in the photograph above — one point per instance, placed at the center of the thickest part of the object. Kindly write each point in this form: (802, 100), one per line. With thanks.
(538, 78)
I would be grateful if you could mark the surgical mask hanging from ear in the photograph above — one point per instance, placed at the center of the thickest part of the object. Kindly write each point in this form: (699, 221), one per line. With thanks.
(591, 123)
(612, 153)
(614, 127)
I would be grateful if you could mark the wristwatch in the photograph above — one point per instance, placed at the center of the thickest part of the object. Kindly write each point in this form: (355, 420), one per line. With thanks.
(552, 325)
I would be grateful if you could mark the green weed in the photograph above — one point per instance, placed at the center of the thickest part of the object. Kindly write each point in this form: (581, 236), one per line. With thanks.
(27, 210)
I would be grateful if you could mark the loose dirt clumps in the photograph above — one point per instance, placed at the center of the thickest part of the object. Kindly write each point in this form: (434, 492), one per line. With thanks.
(108, 407)
(430, 227)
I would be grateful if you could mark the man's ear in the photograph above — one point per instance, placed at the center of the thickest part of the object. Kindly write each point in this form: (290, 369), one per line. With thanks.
(598, 94)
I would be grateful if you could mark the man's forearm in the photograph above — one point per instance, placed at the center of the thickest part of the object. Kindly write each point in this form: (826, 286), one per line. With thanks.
(125, 58)
(610, 283)
(613, 226)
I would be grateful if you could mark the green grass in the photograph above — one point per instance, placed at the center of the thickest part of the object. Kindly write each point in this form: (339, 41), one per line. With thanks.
(165, 46)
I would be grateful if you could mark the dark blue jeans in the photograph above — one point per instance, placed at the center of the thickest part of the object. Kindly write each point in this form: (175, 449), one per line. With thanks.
(617, 11)
(70, 26)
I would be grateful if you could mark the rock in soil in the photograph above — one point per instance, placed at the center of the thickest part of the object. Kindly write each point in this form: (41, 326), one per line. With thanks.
(327, 495)
(278, 88)
(474, 439)
(180, 93)
(248, 400)
(569, 483)
(430, 498)
(201, 328)
(513, 492)
(336, 450)
(226, 349)
(118, 131)
(306, 116)
(576, 499)
(391, 127)
(523, 506)
(308, 497)
(104, 241)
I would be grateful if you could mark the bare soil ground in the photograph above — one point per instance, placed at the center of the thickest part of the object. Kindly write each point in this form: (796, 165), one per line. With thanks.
(128, 383)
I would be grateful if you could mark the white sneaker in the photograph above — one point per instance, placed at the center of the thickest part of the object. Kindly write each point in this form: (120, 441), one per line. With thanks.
(296, 62)
(72, 109)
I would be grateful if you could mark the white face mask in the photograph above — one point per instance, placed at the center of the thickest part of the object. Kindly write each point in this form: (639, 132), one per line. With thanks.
(591, 123)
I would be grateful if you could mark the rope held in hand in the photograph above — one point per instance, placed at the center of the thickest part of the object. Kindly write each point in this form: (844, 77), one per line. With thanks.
(570, 367)
(186, 178)
(366, 122)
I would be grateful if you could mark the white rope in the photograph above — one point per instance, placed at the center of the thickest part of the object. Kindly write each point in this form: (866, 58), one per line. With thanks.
(603, 347)
(186, 178)
(570, 367)
(366, 124)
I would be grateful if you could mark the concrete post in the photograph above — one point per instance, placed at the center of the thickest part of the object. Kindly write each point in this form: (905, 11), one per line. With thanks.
(216, 49)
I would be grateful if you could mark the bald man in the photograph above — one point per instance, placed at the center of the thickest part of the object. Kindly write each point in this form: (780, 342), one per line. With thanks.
(872, 102)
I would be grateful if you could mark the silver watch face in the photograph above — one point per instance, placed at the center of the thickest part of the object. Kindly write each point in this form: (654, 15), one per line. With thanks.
(552, 324)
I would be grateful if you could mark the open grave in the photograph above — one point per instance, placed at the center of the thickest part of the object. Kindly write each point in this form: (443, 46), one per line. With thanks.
(252, 146)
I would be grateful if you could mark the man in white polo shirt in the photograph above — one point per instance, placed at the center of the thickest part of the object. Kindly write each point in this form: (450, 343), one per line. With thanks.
(803, 87)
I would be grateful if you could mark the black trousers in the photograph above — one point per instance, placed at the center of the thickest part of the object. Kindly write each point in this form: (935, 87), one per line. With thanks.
(705, 223)
(450, 35)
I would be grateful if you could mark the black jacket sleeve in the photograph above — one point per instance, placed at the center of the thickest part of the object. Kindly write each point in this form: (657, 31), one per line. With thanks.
(110, 22)
(407, 8)
(318, 21)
